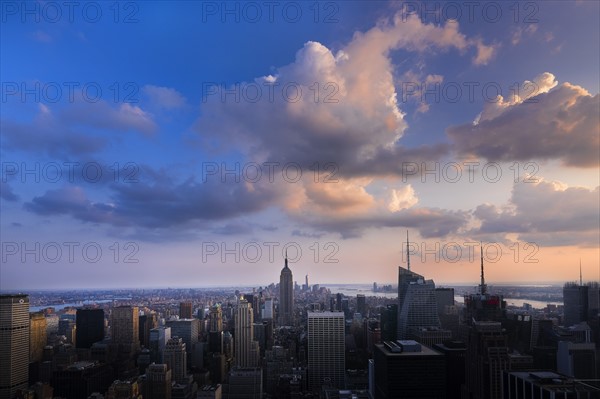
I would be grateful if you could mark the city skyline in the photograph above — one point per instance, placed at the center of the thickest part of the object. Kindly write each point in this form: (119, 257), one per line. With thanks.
(197, 146)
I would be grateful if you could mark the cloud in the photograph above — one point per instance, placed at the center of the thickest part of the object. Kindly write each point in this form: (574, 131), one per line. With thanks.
(522, 31)
(47, 134)
(546, 121)
(402, 198)
(546, 212)
(327, 108)
(485, 53)
(72, 200)
(124, 117)
(164, 97)
(72, 129)
(6, 192)
(429, 222)
(347, 112)
(159, 205)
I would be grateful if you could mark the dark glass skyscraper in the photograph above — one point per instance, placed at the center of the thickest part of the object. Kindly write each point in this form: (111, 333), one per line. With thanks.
(90, 327)
(417, 306)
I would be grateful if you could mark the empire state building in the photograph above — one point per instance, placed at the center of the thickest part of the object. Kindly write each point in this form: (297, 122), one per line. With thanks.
(286, 296)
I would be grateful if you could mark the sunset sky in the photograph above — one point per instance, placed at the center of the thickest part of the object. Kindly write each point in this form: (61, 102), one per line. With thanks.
(190, 144)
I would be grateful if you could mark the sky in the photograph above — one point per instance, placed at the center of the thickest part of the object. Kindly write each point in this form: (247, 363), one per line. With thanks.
(195, 143)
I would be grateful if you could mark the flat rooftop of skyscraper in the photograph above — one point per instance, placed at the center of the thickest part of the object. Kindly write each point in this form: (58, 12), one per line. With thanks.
(326, 313)
(425, 351)
(557, 381)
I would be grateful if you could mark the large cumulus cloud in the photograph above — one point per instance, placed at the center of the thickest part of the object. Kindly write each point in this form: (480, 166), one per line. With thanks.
(553, 121)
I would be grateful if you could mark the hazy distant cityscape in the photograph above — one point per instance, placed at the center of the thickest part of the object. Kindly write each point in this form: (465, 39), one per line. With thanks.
(303, 340)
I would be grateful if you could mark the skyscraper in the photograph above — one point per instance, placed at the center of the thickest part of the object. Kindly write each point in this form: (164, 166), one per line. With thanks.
(286, 296)
(176, 359)
(417, 306)
(216, 319)
(545, 384)
(483, 306)
(158, 382)
(125, 326)
(215, 330)
(406, 369)
(267, 313)
(326, 350)
(147, 322)
(14, 344)
(581, 302)
(90, 327)
(37, 336)
(486, 359)
(246, 349)
(185, 310)
(187, 330)
(158, 340)
(361, 305)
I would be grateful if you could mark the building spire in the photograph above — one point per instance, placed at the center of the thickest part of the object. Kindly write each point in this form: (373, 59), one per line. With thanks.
(482, 286)
(580, 275)
(286, 263)
(407, 252)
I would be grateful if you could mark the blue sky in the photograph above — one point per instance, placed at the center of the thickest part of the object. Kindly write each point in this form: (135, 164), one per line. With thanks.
(128, 115)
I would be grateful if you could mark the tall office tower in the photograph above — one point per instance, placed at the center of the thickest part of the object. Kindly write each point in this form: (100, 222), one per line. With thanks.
(546, 384)
(254, 302)
(455, 353)
(338, 302)
(187, 330)
(444, 297)
(52, 324)
(286, 296)
(389, 323)
(306, 286)
(326, 350)
(185, 310)
(267, 312)
(14, 344)
(246, 349)
(417, 306)
(125, 326)
(406, 369)
(90, 327)
(244, 383)
(158, 382)
(487, 357)
(575, 298)
(216, 319)
(37, 336)
(483, 306)
(361, 305)
(581, 303)
(158, 341)
(175, 357)
(447, 310)
(215, 330)
(577, 360)
(81, 379)
(147, 323)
